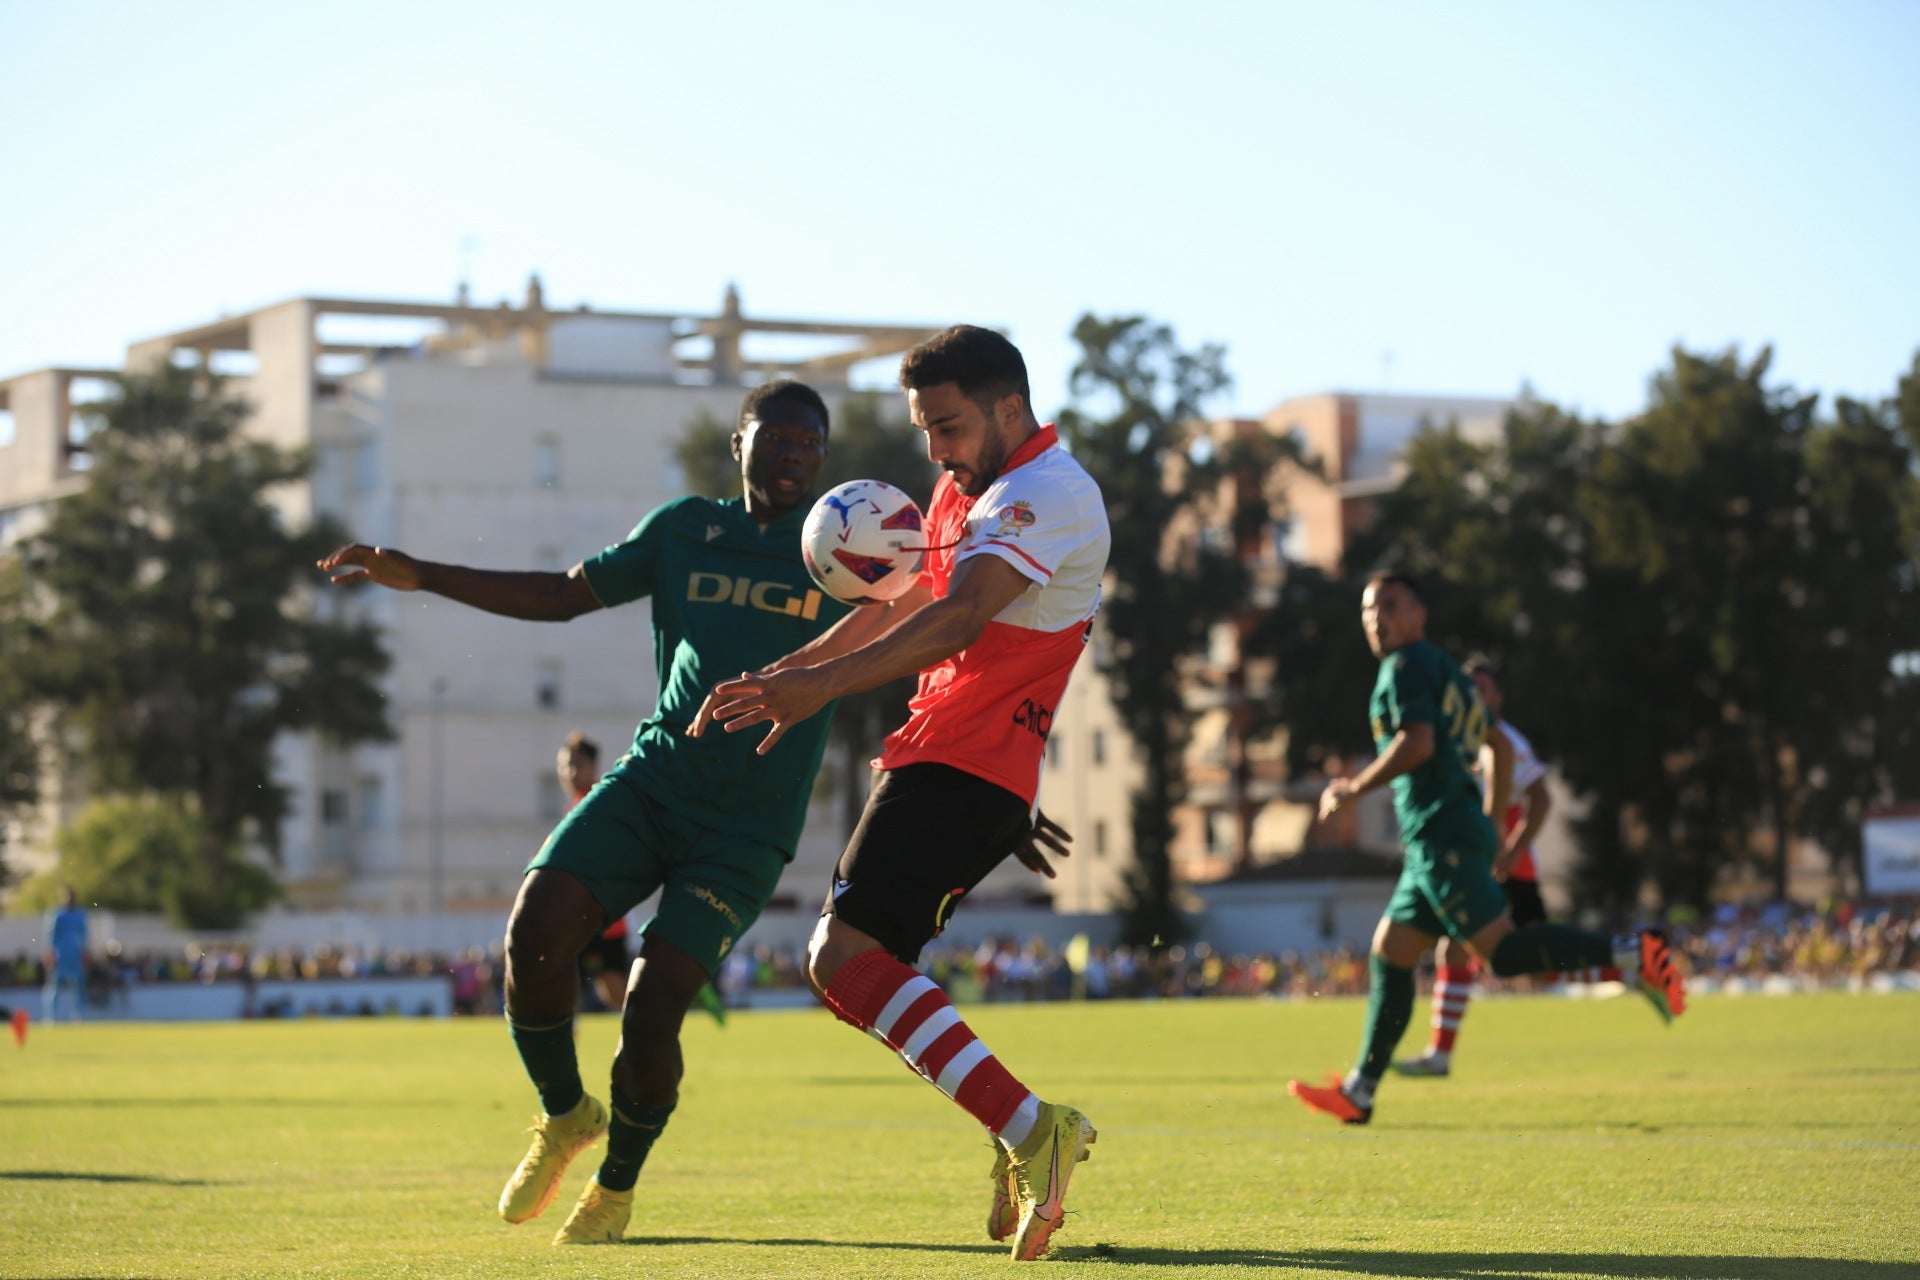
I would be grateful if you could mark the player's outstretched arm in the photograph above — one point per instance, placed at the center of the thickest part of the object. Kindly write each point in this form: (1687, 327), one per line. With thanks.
(858, 629)
(530, 595)
(1496, 764)
(981, 588)
(1539, 804)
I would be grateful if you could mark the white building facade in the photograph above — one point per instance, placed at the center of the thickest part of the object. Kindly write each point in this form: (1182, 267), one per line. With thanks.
(507, 438)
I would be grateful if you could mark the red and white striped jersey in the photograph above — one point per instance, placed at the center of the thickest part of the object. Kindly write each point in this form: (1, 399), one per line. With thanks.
(1527, 770)
(987, 710)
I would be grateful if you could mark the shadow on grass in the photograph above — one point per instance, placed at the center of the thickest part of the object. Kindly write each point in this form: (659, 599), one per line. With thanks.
(51, 1175)
(788, 1242)
(150, 1104)
(1478, 1266)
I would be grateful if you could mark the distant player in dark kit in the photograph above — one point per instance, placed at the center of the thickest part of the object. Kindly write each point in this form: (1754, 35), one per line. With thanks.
(1429, 725)
(1455, 968)
(709, 823)
(1017, 542)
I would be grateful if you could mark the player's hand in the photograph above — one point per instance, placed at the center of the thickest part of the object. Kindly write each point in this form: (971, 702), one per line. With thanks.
(1047, 836)
(779, 698)
(1503, 861)
(1338, 792)
(384, 565)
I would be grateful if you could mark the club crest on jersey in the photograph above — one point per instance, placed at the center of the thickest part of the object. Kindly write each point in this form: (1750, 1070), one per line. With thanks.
(768, 597)
(1014, 517)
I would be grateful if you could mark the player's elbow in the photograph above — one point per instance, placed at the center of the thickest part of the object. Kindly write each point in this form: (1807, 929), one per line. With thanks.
(1417, 745)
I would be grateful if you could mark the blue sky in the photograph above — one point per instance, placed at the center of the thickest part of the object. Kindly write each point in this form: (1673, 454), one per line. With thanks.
(1421, 197)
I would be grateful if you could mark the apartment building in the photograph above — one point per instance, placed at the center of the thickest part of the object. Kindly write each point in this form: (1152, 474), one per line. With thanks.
(515, 436)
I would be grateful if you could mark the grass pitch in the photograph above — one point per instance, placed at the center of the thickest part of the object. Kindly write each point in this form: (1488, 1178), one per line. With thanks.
(1754, 1140)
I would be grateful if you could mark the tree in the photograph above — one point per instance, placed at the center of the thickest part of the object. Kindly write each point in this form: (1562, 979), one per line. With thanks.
(19, 752)
(1705, 615)
(1165, 592)
(705, 459)
(1855, 724)
(177, 641)
(144, 853)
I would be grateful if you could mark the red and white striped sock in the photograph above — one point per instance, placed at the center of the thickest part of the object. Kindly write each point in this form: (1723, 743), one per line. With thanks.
(910, 1013)
(1452, 989)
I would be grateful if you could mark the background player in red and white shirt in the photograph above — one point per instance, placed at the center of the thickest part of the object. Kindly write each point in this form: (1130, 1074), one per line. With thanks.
(1017, 543)
(604, 962)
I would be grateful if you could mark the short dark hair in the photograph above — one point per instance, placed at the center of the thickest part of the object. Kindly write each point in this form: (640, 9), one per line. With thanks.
(1480, 664)
(982, 363)
(783, 391)
(579, 743)
(1380, 577)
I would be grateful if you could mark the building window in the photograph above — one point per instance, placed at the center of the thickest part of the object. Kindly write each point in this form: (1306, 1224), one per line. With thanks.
(333, 806)
(1053, 753)
(546, 462)
(1099, 747)
(546, 685)
(369, 807)
(1100, 838)
(84, 398)
(366, 465)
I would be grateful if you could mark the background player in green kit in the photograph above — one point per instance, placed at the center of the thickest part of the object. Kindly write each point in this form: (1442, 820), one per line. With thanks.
(706, 821)
(1429, 725)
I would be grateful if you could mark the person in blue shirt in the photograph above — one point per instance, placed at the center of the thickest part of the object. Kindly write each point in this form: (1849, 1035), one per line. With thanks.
(66, 955)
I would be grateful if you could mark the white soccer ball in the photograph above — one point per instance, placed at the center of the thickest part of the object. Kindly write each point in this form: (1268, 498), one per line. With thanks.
(863, 542)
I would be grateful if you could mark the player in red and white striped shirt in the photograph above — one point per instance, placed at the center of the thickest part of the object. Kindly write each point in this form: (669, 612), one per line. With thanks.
(1018, 541)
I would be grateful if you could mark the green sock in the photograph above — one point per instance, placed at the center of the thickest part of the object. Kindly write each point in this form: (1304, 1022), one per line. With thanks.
(546, 1050)
(630, 1135)
(1550, 948)
(1389, 1010)
(709, 999)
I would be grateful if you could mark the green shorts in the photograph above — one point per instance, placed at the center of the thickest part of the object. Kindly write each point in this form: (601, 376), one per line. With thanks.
(1447, 887)
(623, 845)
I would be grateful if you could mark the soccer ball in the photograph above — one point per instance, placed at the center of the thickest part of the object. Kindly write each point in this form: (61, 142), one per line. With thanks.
(863, 543)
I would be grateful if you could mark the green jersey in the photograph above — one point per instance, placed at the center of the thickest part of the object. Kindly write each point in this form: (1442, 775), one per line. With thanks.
(1440, 799)
(728, 597)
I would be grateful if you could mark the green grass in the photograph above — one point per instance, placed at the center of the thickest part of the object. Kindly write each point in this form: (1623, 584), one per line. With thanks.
(1754, 1140)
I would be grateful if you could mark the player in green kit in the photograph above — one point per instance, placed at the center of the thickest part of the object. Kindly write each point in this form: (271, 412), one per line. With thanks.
(706, 821)
(1429, 726)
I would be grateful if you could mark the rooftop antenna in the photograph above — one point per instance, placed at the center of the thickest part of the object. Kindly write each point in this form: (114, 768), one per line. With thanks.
(463, 292)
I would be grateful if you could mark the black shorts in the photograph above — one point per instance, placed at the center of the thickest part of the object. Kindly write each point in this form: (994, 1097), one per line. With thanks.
(1524, 902)
(928, 835)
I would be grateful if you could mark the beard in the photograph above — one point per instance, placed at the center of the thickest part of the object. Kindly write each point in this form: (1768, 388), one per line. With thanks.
(986, 469)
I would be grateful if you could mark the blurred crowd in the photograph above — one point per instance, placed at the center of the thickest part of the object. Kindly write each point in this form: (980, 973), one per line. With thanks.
(112, 972)
(1837, 945)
